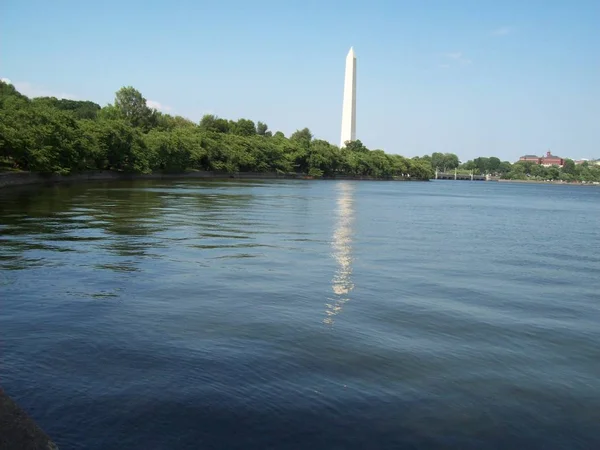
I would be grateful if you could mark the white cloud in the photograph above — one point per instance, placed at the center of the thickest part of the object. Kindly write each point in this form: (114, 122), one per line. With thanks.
(157, 105)
(31, 91)
(502, 31)
(6, 80)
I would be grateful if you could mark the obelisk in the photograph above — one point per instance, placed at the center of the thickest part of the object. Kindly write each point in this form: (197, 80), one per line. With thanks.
(349, 107)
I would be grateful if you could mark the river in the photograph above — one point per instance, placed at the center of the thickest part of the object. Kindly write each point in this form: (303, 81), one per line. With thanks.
(303, 314)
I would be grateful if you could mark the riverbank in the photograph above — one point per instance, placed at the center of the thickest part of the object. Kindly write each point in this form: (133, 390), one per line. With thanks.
(565, 183)
(18, 430)
(10, 179)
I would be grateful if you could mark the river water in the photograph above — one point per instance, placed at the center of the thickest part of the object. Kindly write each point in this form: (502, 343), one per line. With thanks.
(303, 314)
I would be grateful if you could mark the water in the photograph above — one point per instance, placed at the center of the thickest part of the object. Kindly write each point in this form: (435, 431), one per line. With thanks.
(293, 315)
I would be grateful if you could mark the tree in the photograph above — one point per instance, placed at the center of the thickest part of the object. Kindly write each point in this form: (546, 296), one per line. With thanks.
(212, 123)
(132, 105)
(469, 165)
(174, 151)
(450, 161)
(110, 112)
(166, 122)
(420, 170)
(243, 127)
(493, 164)
(444, 161)
(41, 139)
(504, 167)
(51, 135)
(536, 170)
(302, 137)
(569, 167)
(324, 157)
(518, 172)
(122, 146)
(356, 146)
(8, 91)
(80, 109)
(482, 164)
(437, 161)
(261, 128)
(553, 173)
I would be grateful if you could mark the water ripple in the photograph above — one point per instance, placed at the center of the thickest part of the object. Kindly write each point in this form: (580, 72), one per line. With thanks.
(291, 314)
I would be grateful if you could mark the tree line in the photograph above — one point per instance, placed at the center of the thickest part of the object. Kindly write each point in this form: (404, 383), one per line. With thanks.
(521, 170)
(49, 135)
(526, 170)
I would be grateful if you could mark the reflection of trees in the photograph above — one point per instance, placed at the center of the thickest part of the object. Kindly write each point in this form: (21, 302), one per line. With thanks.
(342, 251)
(126, 219)
(78, 217)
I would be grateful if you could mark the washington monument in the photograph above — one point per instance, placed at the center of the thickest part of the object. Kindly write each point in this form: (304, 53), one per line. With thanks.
(349, 108)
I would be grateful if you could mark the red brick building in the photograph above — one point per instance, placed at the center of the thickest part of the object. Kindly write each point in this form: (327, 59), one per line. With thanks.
(530, 158)
(551, 160)
(548, 160)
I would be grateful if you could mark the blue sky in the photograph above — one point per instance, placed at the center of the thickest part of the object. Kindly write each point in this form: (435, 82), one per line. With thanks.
(476, 78)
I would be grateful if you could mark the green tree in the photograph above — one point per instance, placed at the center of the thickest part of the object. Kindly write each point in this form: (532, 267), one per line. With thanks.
(41, 139)
(569, 167)
(356, 146)
(302, 137)
(262, 129)
(553, 173)
(451, 161)
(174, 151)
(243, 127)
(481, 164)
(536, 170)
(166, 122)
(132, 106)
(493, 164)
(438, 161)
(214, 124)
(444, 161)
(122, 146)
(62, 136)
(420, 170)
(469, 165)
(8, 91)
(80, 109)
(504, 167)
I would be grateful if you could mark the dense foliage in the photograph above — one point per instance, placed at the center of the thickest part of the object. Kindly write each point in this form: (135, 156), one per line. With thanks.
(570, 172)
(49, 135)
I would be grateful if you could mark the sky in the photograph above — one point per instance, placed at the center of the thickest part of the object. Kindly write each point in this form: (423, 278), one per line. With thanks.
(475, 78)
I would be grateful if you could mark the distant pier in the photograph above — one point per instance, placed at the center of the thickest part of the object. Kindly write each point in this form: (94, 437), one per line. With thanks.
(461, 176)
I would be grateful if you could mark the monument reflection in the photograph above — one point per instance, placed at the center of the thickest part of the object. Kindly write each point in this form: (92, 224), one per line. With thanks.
(341, 284)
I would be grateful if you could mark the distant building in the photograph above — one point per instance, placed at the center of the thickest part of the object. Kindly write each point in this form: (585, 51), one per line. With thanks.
(548, 160)
(551, 160)
(530, 158)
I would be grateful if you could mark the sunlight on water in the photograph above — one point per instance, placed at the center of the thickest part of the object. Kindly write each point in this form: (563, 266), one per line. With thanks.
(342, 251)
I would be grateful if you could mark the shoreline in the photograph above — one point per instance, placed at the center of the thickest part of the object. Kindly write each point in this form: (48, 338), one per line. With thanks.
(561, 183)
(15, 179)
